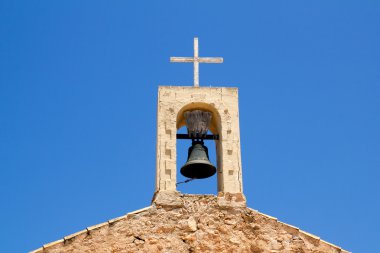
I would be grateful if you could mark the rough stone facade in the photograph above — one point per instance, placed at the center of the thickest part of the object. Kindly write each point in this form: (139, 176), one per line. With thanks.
(191, 223)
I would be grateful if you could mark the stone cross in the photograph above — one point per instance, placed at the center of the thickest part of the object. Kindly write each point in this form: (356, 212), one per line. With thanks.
(196, 59)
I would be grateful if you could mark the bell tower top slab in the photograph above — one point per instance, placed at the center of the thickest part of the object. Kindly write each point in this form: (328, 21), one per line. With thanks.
(173, 102)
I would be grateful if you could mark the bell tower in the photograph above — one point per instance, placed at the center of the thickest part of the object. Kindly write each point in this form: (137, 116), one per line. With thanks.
(222, 104)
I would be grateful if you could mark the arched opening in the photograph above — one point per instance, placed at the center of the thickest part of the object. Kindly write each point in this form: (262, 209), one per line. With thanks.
(215, 125)
(199, 186)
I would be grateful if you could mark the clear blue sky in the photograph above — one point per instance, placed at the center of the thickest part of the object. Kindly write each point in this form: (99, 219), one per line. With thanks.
(78, 89)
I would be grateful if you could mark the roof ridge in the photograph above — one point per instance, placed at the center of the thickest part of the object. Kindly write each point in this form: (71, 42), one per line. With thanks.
(88, 230)
(314, 237)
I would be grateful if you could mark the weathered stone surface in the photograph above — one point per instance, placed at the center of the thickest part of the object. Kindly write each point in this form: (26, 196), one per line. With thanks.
(199, 224)
(167, 199)
(231, 200)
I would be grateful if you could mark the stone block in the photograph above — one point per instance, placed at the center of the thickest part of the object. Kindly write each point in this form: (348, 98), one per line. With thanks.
(167, 199)
(231, 200)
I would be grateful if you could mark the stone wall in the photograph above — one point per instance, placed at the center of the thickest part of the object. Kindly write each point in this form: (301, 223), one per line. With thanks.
(195, 223)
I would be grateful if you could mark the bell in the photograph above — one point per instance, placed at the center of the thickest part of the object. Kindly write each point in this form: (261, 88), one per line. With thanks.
(198, 165)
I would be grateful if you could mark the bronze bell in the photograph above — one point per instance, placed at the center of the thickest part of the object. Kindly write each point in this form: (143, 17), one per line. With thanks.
(198, 165)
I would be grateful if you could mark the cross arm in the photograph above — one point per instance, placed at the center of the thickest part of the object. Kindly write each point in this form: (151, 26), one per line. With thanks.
(181, 59)
(210, 59)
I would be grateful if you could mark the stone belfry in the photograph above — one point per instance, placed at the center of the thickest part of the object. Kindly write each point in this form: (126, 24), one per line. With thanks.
(222, 103)
(176, 222)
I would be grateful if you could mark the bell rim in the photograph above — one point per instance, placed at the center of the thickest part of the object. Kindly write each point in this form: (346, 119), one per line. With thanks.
(211, 168)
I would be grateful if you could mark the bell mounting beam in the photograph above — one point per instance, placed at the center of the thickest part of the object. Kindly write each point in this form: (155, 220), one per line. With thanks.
(204, 137)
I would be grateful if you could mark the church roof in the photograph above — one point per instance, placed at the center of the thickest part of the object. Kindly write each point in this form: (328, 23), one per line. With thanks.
(198, 225)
